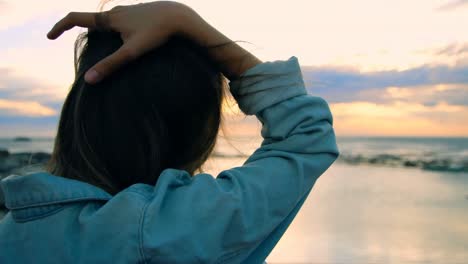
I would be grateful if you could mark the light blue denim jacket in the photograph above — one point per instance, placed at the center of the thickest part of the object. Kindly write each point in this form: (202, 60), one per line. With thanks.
(237, 217)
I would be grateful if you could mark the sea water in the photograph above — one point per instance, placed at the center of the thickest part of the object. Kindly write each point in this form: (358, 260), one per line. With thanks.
(441, 154)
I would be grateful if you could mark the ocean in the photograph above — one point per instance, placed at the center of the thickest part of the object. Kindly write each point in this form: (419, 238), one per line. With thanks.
(385, 200)
(438, 154)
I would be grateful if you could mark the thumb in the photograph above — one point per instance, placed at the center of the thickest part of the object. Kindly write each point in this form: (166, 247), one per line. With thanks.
(109, 64)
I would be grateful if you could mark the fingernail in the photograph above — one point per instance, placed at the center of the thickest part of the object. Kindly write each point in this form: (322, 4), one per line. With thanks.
(92, 76)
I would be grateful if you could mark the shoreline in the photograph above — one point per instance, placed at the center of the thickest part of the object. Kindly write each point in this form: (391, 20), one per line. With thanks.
(24, 162)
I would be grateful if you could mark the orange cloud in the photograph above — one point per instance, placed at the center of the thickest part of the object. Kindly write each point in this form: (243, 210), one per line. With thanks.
(25, 108)
(364, 118)
(399, 119)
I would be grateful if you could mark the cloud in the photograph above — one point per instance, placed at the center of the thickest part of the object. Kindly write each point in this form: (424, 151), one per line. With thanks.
(342, 85)
(422, 101)
(454, 49)
(399, 119)
(24, 108)
(397, 109)
(453, 94)
(454, 4)
(27, 106)
(22, 96)
(18, 87)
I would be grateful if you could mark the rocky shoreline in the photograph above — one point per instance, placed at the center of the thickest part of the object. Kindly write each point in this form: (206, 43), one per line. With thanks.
(424, 163)
(19, 163)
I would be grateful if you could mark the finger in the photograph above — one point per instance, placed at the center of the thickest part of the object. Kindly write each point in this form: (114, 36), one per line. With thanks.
(129, 51)
(109, 64)
(81, 19)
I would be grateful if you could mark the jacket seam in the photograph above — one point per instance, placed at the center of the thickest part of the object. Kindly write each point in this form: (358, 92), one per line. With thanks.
(58, 202)
(70, 200)
(34, 217)
(140, 231)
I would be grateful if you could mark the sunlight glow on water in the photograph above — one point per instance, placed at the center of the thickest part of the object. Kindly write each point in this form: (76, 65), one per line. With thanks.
(369, 214)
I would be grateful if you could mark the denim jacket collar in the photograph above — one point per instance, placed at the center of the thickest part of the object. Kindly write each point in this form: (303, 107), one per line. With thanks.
(44, 192)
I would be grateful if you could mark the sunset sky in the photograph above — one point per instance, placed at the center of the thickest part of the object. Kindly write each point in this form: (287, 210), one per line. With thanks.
(388, 68)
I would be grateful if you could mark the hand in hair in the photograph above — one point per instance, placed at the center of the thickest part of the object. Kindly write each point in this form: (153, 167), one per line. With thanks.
(143, 27)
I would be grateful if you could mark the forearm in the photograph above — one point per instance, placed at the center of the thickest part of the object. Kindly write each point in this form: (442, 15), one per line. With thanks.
(232, 58)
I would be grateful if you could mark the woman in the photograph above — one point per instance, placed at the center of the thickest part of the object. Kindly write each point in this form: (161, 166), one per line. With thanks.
(149, 81)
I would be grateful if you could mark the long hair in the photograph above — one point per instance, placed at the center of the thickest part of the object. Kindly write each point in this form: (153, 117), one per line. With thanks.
(162, 110)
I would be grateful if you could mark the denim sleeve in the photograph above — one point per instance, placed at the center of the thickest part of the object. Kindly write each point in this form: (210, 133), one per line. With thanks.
(241, 214)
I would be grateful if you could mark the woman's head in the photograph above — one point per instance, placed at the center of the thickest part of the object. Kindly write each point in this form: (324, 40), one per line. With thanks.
(163, 110)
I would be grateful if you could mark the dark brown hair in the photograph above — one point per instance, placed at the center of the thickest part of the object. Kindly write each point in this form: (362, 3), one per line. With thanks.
(163, 110)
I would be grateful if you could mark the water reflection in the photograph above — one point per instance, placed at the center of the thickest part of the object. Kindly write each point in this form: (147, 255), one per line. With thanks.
(368, 214)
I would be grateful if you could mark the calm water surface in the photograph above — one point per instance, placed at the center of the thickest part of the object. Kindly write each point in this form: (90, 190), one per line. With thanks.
(371, 214)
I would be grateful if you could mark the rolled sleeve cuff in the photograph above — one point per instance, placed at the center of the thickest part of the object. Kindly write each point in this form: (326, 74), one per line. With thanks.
(267, 84)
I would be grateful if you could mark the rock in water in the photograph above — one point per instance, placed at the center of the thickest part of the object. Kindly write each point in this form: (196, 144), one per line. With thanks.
(4, 153)
(21, 139)
(19, 163)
